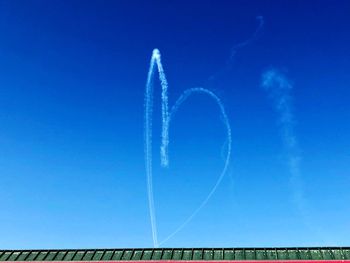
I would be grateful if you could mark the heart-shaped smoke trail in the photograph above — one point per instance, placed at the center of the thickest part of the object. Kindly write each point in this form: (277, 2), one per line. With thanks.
(166, 118)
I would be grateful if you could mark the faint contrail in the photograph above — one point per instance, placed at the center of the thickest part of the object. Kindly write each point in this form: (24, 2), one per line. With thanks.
(251, 39)
(166, 118)
(233, 50)
(279, 89)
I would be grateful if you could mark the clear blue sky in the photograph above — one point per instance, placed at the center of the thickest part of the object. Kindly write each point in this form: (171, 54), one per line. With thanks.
(72, 81)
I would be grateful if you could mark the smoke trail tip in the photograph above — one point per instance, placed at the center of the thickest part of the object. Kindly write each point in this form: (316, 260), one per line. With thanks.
(156, 53)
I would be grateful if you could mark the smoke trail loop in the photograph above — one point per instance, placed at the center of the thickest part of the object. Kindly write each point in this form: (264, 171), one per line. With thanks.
(186, 94)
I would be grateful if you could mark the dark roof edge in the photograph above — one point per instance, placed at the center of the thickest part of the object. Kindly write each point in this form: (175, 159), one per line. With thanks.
(176, 248)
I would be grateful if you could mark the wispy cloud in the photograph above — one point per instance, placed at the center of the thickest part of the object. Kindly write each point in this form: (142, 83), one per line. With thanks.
(279, 89)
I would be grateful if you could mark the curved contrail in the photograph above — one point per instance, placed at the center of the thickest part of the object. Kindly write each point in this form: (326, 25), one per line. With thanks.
(186, 94)
(166, 118)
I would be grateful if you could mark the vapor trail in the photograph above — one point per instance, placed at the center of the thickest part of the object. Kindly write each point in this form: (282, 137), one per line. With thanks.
(279, 89)
(185, 95)
(166, 117)
(155, 60)
(148, 143)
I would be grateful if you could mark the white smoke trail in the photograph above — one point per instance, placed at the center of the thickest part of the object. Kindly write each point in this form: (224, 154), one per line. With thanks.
(279, 89)
(148, 144)
(166, 117)
(174, 109)
(155, 60)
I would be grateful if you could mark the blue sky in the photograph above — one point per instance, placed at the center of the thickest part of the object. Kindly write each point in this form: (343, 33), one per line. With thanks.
(72, 82)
